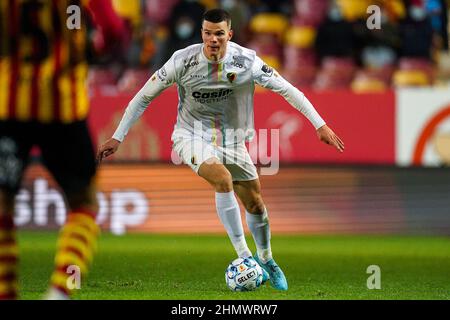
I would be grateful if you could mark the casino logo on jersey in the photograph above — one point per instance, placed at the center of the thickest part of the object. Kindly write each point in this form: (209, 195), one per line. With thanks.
(231, 76)
(211, 96)
(238, 62)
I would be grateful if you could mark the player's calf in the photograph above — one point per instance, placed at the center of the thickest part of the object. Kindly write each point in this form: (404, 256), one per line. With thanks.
(76, 246)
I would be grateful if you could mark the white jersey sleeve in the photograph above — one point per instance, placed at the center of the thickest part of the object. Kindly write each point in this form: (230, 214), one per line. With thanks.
(268, 78)
(158, 82)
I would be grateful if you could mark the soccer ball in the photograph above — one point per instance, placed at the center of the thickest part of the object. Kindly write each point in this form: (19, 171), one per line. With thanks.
(243, 274)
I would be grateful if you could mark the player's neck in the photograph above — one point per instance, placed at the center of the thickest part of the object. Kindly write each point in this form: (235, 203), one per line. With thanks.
(214, 57)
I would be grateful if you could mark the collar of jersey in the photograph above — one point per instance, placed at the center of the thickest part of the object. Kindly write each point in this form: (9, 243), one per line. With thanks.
(227, 52)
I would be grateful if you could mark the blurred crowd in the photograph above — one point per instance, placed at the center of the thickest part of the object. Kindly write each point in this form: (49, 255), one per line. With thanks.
(363, 45)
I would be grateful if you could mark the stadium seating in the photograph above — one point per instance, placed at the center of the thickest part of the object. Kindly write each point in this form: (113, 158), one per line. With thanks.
(287, 42)
(413, 72)
(301, 77)
(295, 58)
(300, 36)
(299, 56)
(410, 78)
(353, 9)
(408, 63)
(129, 9)
(335, 73)
(268, 48)
(309, 12)
(369, 81)
(267, 32)
(269, 23)
(395, 8)
(158, 11)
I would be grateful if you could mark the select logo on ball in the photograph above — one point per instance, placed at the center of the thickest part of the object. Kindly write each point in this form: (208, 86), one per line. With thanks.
(247, 276)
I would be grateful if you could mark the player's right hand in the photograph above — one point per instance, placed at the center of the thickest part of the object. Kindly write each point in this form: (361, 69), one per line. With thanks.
(107, 149)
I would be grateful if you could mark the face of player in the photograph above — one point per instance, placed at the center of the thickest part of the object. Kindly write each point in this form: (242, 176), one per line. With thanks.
(215, 38)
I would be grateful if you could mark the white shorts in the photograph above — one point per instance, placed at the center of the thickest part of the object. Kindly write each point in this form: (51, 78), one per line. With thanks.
(194, 151)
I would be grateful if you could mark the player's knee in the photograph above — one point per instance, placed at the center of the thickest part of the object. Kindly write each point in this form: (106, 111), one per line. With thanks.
(86, 204)
(86, 199)
(223, 182)
(217, 175)
(255, 205)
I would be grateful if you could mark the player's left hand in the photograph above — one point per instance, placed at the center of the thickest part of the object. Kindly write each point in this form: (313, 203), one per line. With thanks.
(327, 136)
(107, 149)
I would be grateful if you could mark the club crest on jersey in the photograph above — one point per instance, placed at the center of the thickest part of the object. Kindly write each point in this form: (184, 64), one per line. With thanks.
(231, 76)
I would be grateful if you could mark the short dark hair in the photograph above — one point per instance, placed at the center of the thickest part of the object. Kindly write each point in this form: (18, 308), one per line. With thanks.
(217, 15)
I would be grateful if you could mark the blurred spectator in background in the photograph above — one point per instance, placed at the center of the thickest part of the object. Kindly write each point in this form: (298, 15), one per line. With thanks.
(379, 47)
(438, 13)
(274, 6)
(158, 11)
(377, 53)
(335, 36)
(157, 14)
(293, 35)
(132, 12)
(416, 62)
(335, 47)
(240, 15)
(101, 49)
(309, 12)
(184, 26)
(135, 69)
(416, 31)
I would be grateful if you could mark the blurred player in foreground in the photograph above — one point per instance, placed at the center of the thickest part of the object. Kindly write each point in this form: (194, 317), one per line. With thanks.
(44, 102)
(215, 82)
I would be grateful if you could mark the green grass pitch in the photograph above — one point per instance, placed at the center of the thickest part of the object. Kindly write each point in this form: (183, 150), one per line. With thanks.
(137, 266)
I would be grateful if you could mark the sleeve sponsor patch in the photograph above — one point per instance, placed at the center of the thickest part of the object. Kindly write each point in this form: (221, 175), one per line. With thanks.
(266, 69)
(162, 74)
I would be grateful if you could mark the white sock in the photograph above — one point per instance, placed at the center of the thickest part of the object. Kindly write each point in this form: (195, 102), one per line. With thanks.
(260, 229)
(230, 215)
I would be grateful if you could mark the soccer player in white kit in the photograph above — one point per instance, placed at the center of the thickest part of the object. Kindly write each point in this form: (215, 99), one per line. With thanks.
(215, 81)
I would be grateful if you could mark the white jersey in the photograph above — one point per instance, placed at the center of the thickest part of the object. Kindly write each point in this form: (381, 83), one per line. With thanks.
(215, 97)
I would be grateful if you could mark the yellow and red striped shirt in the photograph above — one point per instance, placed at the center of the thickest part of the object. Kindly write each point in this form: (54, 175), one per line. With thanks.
(43, 66)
